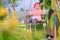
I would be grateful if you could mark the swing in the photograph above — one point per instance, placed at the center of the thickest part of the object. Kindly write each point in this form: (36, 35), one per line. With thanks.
(30, 21)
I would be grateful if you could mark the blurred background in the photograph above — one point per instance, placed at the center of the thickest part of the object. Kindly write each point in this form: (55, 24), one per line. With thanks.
(12, 18)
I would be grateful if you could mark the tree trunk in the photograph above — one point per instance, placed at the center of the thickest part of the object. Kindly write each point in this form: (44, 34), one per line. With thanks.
(13, 7)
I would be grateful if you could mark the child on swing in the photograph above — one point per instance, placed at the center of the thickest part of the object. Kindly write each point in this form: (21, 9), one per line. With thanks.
(36, 13)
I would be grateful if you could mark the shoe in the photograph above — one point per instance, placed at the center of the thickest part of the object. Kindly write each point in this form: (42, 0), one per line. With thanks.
(52, 36)
(49, 38)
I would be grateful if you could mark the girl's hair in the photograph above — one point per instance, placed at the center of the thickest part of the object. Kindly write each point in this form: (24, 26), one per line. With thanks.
(37, 3)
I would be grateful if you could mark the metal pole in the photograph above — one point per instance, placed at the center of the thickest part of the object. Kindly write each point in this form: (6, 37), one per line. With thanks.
(55, 19)
(29, 11)
(30, 26)
(54, 27)
(35, 27)
(30, 5)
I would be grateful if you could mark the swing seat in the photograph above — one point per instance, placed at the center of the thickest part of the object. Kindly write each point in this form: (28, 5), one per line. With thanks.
(36, 20)
(40, 21)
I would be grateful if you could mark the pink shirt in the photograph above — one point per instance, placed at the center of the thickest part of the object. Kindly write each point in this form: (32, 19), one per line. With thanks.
(36, 14)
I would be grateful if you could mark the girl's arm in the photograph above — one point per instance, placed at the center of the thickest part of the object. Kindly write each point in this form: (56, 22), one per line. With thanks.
(42, 12)
(30, 14)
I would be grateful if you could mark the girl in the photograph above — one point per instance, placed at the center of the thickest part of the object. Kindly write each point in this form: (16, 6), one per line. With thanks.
(36, 13)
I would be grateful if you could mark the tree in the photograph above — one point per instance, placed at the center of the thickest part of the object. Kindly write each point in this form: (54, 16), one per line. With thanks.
(21, 9)
(47, 3)
(2, 3)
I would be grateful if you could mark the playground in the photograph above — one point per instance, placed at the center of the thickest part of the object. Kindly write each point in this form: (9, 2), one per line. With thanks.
(29, 19)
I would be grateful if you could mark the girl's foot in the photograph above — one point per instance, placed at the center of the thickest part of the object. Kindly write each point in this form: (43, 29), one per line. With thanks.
(49, 37)
(52, 36)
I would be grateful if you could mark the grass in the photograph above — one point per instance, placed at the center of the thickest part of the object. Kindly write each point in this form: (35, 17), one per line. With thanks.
(20, 34)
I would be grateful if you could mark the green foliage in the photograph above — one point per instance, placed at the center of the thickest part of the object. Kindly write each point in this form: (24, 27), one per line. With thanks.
(40, 27)
(38, 35)
(2, 3)
(21, 9)
(19, 34)
(12, 1)
(58, 38)
(41, 1)
(2, 18)
(47, 3)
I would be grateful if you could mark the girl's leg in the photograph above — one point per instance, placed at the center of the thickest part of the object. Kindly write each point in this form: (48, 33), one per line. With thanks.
(30, 20)
(35, 20)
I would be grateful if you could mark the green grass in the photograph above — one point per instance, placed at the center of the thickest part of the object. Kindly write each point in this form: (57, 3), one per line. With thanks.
(22, 35)
(38, 35)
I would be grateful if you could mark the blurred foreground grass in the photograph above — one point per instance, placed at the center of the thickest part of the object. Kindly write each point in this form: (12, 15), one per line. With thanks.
(11, 29)
(20, 33)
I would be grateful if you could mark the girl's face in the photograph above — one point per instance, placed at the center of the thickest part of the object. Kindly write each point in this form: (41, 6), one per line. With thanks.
(37, 6)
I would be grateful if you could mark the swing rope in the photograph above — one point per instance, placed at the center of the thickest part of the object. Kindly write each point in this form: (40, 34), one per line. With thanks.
(55, 6)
